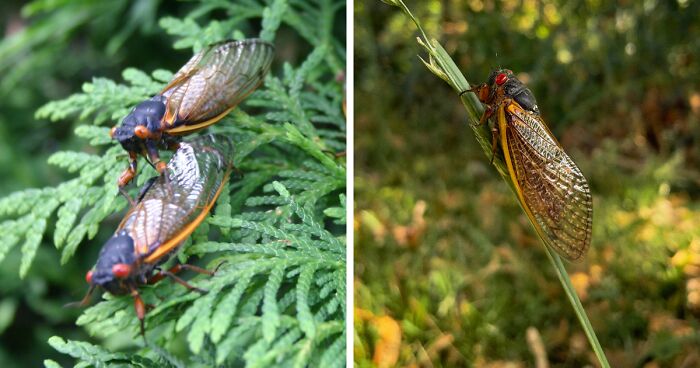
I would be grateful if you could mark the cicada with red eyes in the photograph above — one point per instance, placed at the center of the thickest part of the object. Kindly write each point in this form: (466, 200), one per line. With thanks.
(166, 213)
(202, 92)
(550, 187)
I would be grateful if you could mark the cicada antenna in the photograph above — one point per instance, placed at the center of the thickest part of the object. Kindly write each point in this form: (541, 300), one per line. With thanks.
(497, 61)
(84, 302)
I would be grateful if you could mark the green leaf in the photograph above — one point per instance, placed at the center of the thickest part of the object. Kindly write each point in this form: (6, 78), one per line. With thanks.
(306, 320)
(271, 317)
(48, 363)
(31, 245)
(66, 218)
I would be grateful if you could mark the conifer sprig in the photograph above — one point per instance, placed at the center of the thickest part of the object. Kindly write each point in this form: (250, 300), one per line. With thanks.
(279, 297)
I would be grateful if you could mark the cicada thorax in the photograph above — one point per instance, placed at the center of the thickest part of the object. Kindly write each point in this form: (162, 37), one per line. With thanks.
(167, 212)
(550, 187)
(142, 123)
(515, 89)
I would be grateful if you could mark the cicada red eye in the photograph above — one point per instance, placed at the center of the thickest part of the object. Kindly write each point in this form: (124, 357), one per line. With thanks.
(88, 277)
(121, 270)
(111, 132)
(501, 78)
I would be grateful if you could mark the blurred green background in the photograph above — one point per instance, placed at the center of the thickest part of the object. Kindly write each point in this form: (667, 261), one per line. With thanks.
(448, 270)
(49, 49)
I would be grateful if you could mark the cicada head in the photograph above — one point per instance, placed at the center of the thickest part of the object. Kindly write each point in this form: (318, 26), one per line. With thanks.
(143, 122)
(115, 268)
(486, 92)
(499, 77)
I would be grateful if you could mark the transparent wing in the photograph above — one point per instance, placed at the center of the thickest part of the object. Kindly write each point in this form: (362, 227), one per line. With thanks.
(171, 210)
(213, 82)
(553, 187)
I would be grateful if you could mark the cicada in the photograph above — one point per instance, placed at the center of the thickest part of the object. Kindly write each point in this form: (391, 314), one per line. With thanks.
(202, 92)
(550, 187)
(166, 213)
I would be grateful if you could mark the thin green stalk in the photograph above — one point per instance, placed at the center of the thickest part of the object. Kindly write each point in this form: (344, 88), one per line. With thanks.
(441, 64)
(578, 307)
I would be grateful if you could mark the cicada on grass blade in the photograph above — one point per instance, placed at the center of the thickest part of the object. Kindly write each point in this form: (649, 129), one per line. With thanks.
(550, 187)
(166, 213)
(211, 84)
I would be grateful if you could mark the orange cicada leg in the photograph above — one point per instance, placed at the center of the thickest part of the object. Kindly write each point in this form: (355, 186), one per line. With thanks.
(140, 308)
(483, 93)
(126, 177)
(488, 113)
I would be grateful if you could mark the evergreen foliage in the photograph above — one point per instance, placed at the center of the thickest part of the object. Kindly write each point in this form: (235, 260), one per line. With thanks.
(278, 231)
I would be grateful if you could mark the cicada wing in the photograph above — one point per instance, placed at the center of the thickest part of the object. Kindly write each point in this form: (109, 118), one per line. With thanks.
(196, 181)
(191, 67)
(213, 82)
(144, 223)
(185, 231)
(552, 189)
(171, 210)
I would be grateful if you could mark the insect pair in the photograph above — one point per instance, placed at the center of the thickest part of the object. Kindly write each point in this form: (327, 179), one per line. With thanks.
(550, 187)
(166, 212)
(172, 205)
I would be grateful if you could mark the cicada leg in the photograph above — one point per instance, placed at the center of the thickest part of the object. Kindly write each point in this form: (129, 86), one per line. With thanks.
(238, 172)
(83, 302)
(494, 142)
(179, 267)
(154, 157)
(183, 282)
(146, 187)
(126, 177)
(176, 269)
(140, 308)
(488, 113)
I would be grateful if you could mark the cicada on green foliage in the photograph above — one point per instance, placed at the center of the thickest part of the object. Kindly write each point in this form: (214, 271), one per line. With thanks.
(550, 187)
(211, 84)
(166, 213)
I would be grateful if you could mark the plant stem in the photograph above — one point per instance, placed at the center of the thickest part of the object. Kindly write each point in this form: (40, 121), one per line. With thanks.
(578, 307)
(441, 64)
